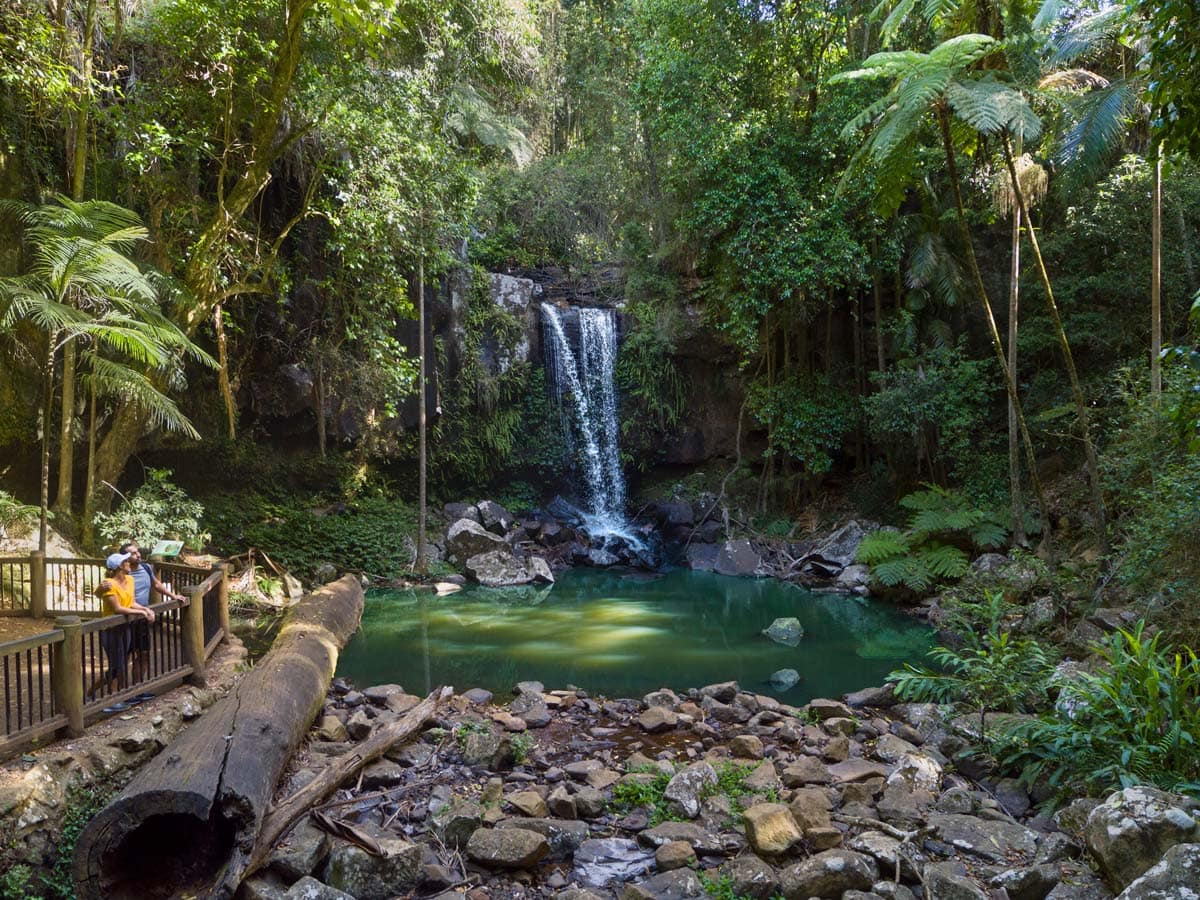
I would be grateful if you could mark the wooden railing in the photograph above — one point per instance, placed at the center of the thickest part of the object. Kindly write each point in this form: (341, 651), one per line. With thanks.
(90, 666)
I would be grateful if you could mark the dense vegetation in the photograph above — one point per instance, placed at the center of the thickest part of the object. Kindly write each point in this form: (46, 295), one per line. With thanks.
(204, 191)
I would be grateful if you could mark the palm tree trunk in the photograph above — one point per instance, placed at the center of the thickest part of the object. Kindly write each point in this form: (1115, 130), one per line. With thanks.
(1014, 438)
(1081, 410)
(1156, 284)
(1031, 460)
(66, 433)
(47, 410)
(89, 491)
(421, 457)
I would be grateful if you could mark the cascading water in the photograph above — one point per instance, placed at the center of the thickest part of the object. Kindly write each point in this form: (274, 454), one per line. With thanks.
(585, 378)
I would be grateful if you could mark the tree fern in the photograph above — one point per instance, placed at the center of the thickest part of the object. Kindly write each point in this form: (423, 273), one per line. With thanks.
(882, 545)
(943, 561)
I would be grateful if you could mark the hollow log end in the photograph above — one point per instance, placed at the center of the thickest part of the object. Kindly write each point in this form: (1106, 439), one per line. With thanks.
(151, 845)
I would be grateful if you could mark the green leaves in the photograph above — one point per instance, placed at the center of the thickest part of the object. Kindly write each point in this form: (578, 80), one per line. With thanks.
(990, 107)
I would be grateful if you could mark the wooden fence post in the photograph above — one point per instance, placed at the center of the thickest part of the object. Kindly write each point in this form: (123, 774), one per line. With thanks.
(37, 584)
(191, 619)
(223, 601)
(67, 662)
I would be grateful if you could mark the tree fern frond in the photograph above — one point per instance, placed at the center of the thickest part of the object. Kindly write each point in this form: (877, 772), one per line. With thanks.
(989, 107)
(961, 51)
(1102, 119)
(989, 533)
(944, 561)
(1085, 36)
(881, 545)
(111, 379)
(901, 11)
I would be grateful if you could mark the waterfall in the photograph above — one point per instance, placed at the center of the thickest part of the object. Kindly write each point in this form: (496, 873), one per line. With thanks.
(582, 376)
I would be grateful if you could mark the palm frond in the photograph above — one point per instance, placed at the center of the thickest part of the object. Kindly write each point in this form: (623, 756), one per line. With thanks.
(1101, 123)
(1085, 36)
(113, 380)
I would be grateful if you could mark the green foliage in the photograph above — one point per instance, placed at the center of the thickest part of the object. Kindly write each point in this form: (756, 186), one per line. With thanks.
(651, 389)
(935, 403)
(1134, 721)
(156, 510)
(17, 883)
(82, 805)
(807, 418)
(521, 745)
(464, 729)
(646, 792)
(926, 553)
(373, 534)
(992, 671)
(17, 519)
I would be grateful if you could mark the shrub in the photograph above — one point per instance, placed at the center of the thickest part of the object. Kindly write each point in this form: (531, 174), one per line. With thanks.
(158, 509)
(17, 519)
(1135, 721)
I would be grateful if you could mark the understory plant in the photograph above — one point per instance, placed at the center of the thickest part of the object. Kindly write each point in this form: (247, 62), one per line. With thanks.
(16, 518)
(1135, 721)
(943, 527)
(994, 671)
(158, 509)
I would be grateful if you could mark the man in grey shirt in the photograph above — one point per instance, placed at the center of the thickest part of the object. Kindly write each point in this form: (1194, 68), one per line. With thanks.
(145, 583)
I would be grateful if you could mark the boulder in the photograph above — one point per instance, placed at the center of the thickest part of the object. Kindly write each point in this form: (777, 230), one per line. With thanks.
(367, 877)
(494, 517)
(787, 631)
(299, 854)
(854, 578)
(679, 512)
(532, 709)
(529, 803)
(466, 538)
(498, 568)
(658, 718)
(680, 884)
(564, 836)
(602, 861)
(702, 557)
(539, 570)
(600, 558)
(828, 875)
(684, 790)
(308, 888)
(1027, 884)
(452, 512)
(1133, 828)
(770, 829)
(995, 841)
(1176, 875)
(878, 697)
(674, 855)
(739, 558)
(784, 679)
(750, 877)
(507, 848)
(702, 840)
(949, 881)
(840, 548)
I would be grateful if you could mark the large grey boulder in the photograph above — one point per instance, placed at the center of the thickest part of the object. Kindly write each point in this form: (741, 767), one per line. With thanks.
(564, 836)
(466, 538)
(702, 557)
(678, 884)
(840, 548)
(750, 877)
(949, 881)
(1174, 877)
(995, 841)
(685, 789)
(507, 848)
(829, 875)
(1133, 828)
(308, 888)
(741, 559)
(494, 517)
(539, 570)
(601, 861)
(498, 568)
(367, 877)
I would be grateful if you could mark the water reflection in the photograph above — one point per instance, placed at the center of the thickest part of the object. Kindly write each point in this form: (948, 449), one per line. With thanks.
(624, 637)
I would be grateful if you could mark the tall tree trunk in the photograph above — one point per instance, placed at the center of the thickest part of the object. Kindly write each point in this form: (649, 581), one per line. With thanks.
(47, 410)
(1081, 410)
(319, 403)
(1156, 283)
(89, 490)
(223, 373)
(981, 290)
(421, 456)
(877, 292)
(1014, 437)
(66, 433)
(79, 131)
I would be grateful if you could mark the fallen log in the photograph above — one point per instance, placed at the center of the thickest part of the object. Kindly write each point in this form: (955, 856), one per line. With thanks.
(283, 816)
(197, 807)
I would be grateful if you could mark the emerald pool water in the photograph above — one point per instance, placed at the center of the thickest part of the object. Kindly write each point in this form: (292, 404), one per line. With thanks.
(623, 636)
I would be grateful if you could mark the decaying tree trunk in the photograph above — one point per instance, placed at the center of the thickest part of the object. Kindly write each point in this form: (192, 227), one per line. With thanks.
(196, 809)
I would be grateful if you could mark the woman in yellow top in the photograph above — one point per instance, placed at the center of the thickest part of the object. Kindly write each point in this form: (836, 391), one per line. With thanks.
(117, 593)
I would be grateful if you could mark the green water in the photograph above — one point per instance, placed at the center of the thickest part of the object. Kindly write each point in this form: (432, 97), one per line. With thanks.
(624, 636)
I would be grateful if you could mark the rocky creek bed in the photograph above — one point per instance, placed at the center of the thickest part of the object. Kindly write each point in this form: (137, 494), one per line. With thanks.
(743, 796)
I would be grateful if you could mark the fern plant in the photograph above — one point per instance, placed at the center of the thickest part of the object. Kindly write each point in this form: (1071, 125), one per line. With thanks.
(931, 550)
(995, 671)
(1135, 721)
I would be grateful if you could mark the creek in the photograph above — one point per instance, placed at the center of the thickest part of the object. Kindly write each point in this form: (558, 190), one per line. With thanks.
(624, 635)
